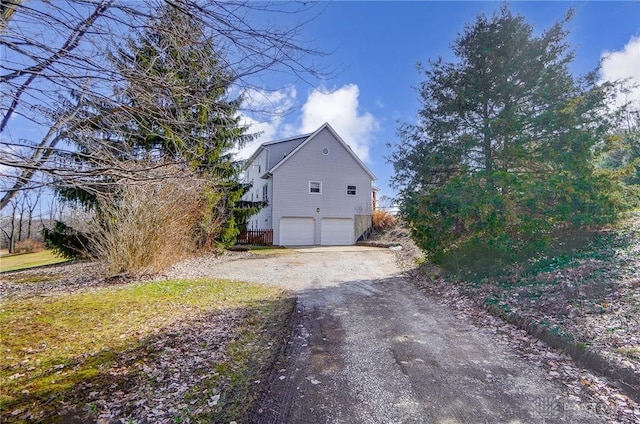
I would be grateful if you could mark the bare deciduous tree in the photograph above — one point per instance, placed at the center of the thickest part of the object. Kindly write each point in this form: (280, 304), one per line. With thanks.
(56, 59)
(8, 224)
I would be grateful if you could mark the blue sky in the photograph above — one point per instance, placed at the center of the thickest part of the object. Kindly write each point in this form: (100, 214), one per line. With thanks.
(375, 46)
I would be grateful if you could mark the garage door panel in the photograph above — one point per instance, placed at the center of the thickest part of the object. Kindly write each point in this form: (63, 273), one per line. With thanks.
(297, 231)
(336, 232)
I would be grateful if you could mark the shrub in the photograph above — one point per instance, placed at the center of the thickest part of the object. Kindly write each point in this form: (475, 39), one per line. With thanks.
(147, 227)
(383, 220)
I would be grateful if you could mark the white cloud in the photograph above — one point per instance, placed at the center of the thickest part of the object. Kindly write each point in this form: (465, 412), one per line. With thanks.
(340, 108)
(268, 131)
(263, 112)
(621, 65)
(269, 103)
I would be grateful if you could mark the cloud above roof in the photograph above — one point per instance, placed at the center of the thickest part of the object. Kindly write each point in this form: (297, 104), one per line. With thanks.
(263, 113)
(341, 109)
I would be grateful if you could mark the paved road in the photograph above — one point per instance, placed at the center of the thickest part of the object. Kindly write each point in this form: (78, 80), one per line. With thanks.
(371, 348)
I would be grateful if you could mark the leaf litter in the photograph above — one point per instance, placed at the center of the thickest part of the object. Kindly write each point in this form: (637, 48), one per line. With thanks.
(593, 298)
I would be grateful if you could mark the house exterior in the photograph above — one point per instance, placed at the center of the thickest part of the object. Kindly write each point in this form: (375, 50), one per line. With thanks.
(318, 191)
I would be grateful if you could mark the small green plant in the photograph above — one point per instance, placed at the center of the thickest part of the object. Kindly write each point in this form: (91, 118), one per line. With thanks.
(92, 408)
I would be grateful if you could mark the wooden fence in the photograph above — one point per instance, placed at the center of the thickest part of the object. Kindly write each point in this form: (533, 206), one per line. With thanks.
(256, 237)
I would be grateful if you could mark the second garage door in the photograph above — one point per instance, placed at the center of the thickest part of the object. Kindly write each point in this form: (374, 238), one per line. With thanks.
(336, 231)
(297, 231)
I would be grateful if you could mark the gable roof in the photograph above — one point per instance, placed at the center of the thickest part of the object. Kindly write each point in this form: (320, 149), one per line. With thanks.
(291, 145)
(288, 144)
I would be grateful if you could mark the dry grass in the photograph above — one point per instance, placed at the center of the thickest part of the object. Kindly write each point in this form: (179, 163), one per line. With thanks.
(149, 226)
(383, 220)
(29, 246)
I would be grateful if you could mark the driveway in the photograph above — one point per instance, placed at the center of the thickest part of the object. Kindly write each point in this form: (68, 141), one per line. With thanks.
(368, 347)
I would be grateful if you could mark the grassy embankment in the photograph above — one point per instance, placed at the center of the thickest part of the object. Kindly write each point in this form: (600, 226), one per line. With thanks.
(52, 346)
(585, 288)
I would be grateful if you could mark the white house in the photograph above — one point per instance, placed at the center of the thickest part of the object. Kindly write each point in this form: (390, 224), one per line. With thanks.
(318, 191)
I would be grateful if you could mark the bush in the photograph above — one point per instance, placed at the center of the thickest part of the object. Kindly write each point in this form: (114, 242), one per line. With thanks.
(383, 220)
(147, 227)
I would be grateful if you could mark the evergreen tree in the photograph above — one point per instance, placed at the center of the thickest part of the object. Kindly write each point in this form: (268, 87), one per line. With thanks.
(177, 96)
(502, 153)
(174, 71)
(173, 108)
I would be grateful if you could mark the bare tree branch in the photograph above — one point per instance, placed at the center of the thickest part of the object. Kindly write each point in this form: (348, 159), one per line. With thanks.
(58, 52)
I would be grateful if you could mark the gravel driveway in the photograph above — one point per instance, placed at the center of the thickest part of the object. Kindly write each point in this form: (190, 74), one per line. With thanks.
(368, 347)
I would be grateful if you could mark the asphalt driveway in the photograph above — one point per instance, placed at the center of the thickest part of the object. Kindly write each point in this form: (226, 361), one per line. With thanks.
(368, 347)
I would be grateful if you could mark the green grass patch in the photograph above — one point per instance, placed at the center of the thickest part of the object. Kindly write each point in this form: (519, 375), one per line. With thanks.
(50, 345)
(29, 260)
(631, 352)
(271, 250)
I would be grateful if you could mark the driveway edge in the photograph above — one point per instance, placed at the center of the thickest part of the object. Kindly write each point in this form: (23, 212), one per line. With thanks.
(626, 379)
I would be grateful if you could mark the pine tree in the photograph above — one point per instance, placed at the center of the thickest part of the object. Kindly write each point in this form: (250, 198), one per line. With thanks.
(171, 116)
(502, 153)
(177, 78)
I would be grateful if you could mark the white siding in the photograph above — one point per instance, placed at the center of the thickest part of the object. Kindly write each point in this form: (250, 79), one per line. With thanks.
(262, 220)
(336, 170)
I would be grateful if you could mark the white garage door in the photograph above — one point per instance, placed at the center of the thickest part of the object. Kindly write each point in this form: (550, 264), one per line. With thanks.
(336, 231)
(297, 231)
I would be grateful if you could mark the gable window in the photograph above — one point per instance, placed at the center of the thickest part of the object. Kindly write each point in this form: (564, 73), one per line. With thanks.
(315, 187)
(351, 190)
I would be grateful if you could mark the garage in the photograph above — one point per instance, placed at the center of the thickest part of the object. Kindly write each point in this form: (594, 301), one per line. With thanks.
(336, 231)
(297, 231)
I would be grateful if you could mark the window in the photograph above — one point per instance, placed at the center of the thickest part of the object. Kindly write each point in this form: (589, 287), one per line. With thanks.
(325, 151)
(265, 192)
(351, 190)
(315, 187)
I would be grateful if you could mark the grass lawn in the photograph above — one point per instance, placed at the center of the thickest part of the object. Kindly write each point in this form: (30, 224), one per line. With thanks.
(50, 345)
(271, 250)
(29, 260)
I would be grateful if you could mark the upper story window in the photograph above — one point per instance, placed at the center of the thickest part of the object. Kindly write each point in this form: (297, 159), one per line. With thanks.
(351, 190)
(265, 192)
(315, 187)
